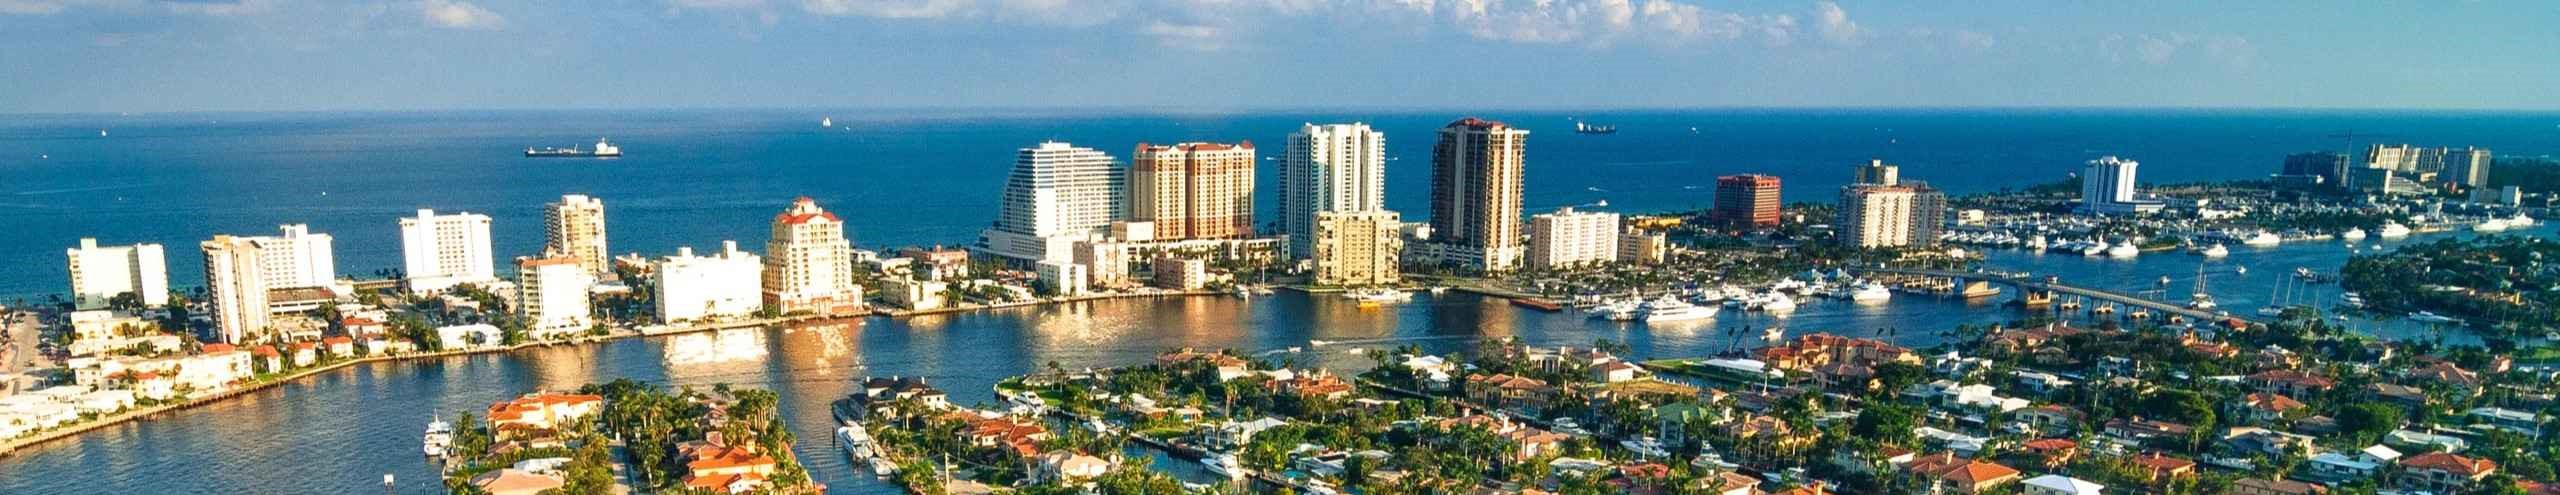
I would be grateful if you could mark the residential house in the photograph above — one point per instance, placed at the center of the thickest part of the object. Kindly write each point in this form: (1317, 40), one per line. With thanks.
(1950, 474)
(2442, 472)
(2263, 486)
(2055, 484)
(2290, 382)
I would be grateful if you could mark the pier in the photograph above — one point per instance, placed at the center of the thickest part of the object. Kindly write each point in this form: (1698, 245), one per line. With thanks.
(2039, 292)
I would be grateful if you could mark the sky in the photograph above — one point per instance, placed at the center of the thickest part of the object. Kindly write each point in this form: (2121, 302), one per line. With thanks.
(76, 56)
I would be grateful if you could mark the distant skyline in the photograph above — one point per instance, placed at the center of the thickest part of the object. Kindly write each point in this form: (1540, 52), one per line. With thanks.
(329, 55)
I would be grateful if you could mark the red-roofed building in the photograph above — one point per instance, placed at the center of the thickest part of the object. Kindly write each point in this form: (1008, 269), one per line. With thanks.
(2442, 472)
(2160, 468)
(1959, 475)
(2290, 382)
(542, 411)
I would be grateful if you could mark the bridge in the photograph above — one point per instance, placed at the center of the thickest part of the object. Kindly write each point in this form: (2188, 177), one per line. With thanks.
(2037, 291)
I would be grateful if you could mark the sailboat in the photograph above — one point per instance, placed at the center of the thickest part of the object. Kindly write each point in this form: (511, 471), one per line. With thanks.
(826, 121)
(2199, 299)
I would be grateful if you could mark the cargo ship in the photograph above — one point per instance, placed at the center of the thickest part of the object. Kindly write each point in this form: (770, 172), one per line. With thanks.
(603, 150)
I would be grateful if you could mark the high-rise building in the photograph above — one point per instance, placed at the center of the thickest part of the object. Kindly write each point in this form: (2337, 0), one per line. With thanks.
(297, 258)
(235, 286)
(441, 251)
(2314, 170)
(574, 227)
(809, 264)
(1747, 201)
(1872, 216)
(1056, 195)
(1193, 190)
(2403, 158)
(1928, 214)
(2467, 167)
(2107, 188)
(1476, 171)
(1179, 273)
(1357, 248)
(99, 273)
(1568, 238)
(553, 295)
(697, 288)
(1878, 173)
(1333, 167)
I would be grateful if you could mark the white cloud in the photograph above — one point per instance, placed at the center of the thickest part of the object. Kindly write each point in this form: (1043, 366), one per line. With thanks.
(29, 7)
(1200, 37)
(1834, 24)
(888, 9)
(455, 14)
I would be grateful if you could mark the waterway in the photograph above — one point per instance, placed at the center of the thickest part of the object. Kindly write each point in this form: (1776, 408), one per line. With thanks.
(339, 432)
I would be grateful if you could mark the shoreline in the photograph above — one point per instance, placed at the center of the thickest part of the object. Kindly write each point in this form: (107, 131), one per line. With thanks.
(10, 447)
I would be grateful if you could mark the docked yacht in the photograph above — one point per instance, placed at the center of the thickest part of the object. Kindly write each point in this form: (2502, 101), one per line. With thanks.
(2491, 225)
(1668, 309)
(2393, 230)
(2262, 239)
(2519, 221)
(1775, 301)
(2351, 299)
(855, 441)
(2124, 249)
(2214, 251)
(2200, 301)
(2429, 317)
(1224, 465)
(439, 437)
(1373, 296)
(2352, 234)
(1871, 292)
(1616, 310)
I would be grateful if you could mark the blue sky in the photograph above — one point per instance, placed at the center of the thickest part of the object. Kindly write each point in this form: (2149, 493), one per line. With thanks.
(193, 55)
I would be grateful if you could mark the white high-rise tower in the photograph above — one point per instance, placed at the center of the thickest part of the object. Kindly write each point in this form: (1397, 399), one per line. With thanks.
(1332, 167)
(1057, 194)
(441, 251)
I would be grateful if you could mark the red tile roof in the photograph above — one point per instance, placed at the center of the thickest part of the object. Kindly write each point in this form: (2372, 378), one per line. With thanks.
(2441, 461)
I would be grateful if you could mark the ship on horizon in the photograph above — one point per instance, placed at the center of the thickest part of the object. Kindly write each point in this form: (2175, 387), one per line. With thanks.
(1587, 128)
(603, 150)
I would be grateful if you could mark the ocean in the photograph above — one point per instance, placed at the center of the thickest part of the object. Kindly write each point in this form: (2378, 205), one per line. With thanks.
(924, 177)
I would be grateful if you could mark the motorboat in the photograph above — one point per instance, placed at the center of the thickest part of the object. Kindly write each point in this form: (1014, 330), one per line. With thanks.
(2429, 317)
(2351, 299)
(1774, 301)
(2393, 230)
(2214, 251)
(1668, 308)
(2200, 301)
(2263, 239)
(2352, 234)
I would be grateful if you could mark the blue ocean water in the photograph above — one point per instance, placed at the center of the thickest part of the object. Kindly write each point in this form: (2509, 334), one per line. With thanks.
(932, 177)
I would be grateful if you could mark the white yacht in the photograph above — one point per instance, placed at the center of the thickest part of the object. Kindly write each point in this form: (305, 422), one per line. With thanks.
(2214, 251)
(826, 121)
(2519, 221)
(2124, 249)
(855, 441)
(2491, 225)
(1871, 292)
(1775, 301)
(439, 437)
(2200, 301)
(2352, 234)
(2093, 248)
(2263, 238)
(1224, 465)
(1378, 295)
(1616, 310)
(1668, 308)
(2351, 299)
(2393, 230)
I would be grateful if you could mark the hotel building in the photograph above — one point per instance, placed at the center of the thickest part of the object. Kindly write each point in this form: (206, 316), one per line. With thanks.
(553, 295)
(441, 251)
(808, 266)
(235, 287)
(1476, 171)
(1333, 167)
(1747, 201)
(1193, 190)
(574, 227)
(1568, 238)
(99, 273)
(697, 288)
(1357, 248)
(1056, 195)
